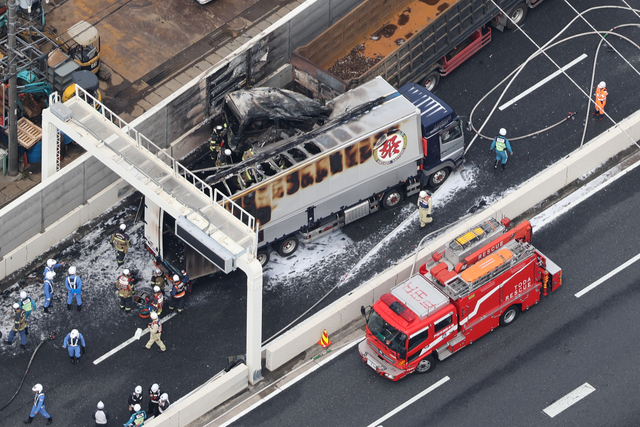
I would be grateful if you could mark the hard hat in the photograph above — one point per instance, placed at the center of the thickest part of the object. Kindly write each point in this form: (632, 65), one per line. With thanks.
(158, 271)
(219, 128)
(72, 270)
(156, 289)
(74, 333)
(423, 194)
(155, 388)
(227, 152)
(16, 306)
(23, 294)
(164, 396)
(49, 275)
(602, 85)
(100, 405)
(138, 389)
(176, 278)
(51, 263)
(154, 315)
(37, 388)
(123, 227)
(136, 407)
(503, 132)
(125, 271)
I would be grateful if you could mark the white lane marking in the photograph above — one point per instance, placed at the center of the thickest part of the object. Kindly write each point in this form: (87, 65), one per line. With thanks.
(290, 383)
(574, 397)
(542, 82)
(127, 342)
(608, 276)
(377, 422)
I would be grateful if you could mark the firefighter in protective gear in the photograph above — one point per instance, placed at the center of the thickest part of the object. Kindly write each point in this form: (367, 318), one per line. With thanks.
(27, 304)
(48, 290)
(73, 284)
(501, 145)
(158, 279)
(126, 289)
(135, 398)
(120, 240)
(218, 144)
(164, 403)
(601, 100)
(178, 293)
(155, 332)
(424, 208)
(19, 326)
(154, 399)
(38, 406)
(73, 341)
(137, 418)
(157, 301)
(100, 416)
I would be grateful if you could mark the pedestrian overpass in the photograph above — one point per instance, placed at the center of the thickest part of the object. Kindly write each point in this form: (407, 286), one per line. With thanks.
(206, 219)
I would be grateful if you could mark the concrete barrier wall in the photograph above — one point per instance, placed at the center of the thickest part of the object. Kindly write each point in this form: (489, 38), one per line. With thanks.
(529, 194)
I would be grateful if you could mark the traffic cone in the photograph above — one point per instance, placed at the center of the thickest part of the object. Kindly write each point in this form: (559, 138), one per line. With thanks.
(324, 341)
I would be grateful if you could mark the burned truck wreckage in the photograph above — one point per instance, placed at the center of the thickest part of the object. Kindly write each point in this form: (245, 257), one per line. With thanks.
(302, 169)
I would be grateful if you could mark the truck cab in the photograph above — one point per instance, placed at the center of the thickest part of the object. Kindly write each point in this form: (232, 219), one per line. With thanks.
(442, 135)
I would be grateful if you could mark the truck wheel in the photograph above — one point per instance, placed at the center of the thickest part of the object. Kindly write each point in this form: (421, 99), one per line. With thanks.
(438, 178)
(263, 257)
(425, 365)
(392, 198)
(288, 246)
(509, 315)
(432, 80)
(517, 15)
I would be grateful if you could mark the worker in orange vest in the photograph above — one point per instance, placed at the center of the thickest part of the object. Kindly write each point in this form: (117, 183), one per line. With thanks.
(178, 293)
(601, 100)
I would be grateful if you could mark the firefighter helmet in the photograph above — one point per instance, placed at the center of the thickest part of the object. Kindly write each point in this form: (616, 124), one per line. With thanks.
(176, 278)
(16, 306)
(219, 129)
(154, 315)
(423, 194)
(123, 227)
(125, 271)
(602, 85)
(156, 289)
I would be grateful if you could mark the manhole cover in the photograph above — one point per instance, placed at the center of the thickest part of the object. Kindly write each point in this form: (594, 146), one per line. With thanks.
(238, 23)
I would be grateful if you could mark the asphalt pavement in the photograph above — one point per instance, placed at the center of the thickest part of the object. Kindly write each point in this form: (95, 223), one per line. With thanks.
(213, 326)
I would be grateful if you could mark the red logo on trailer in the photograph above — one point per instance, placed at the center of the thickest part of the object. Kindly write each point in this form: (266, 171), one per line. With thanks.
(390, 147)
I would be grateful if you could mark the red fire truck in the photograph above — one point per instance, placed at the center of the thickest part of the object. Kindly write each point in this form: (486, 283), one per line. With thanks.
(480, 280)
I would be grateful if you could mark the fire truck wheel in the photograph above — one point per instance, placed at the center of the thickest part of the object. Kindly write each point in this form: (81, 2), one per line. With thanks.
(509, 315)
(392, 198)
(263, 257)
(432, 80)
(438, 178)
(517, 14)
(288, 246)
(425, 365)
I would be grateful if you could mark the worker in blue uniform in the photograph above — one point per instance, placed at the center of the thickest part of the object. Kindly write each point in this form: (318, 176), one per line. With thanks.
(48, 290)
(501, 145)
(38, 406)
(51, 266)
(73, 341)
(73, 283)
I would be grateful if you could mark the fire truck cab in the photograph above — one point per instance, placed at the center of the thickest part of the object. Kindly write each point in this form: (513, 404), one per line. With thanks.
(481, 279)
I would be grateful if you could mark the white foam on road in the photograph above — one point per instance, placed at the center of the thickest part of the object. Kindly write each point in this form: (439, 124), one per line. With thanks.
(570, 399)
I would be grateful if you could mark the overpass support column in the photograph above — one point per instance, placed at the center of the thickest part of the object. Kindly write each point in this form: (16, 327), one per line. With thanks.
(49, 143)
(253, 269)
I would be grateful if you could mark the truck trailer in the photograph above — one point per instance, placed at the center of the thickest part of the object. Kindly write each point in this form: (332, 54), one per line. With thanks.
(377, 146)
(482, 279)
(400, 40)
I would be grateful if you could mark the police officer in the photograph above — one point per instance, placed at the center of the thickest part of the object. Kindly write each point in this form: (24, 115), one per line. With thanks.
(73, 341)
(157, 301)
(100, 416)
(158, 279)
(135, 398)
(38, 405)
(51, 266)
(73, 284)
(177, 294)
(155, 332)
(137, 418)
(424, 208)
(154, 398)
(501, 145)
(27, 304)
(19, 326)
(48, 290)
(125, 291)
(120, 241)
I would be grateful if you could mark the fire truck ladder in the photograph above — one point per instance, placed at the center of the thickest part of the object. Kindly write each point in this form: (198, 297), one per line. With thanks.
(206, 219)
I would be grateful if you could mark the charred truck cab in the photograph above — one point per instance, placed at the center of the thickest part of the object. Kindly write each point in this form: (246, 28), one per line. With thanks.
(374, 146)
(480, 280)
